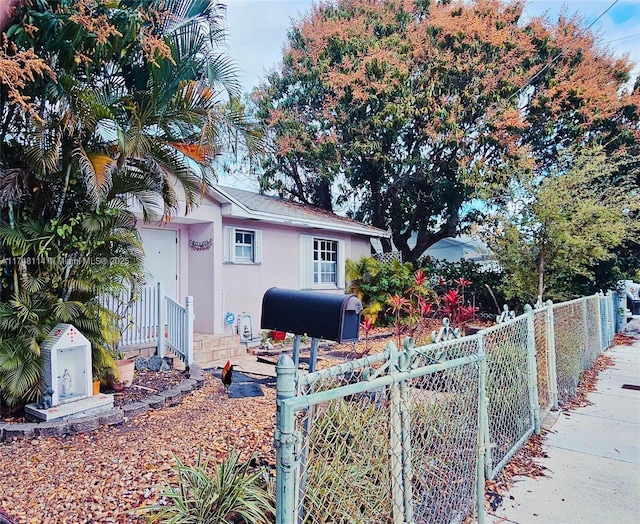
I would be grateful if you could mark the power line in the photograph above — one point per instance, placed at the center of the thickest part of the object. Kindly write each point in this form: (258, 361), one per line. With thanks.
(622, 38)
(555, 59)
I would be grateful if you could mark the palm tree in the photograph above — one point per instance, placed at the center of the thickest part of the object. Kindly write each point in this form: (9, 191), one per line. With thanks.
(140, 98)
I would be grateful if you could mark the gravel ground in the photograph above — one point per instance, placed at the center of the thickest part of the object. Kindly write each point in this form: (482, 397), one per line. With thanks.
(99, 477)
(104, 475)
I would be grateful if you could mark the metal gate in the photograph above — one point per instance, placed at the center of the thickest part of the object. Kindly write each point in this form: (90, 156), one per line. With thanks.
(384, 439)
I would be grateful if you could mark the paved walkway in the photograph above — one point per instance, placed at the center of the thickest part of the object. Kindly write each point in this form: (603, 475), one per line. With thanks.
(594, 455)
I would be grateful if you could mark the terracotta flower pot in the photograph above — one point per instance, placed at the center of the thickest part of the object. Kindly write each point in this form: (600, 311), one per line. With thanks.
(126, 368)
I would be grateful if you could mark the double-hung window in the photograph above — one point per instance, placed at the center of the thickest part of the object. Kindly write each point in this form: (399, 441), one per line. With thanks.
(242, 246)
(325, 262)
(321, 263)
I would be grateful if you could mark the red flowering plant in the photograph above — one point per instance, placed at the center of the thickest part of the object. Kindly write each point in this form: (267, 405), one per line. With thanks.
(399, 307)
(414, 310)
(453, 303)
(367, 326)
(413, 307)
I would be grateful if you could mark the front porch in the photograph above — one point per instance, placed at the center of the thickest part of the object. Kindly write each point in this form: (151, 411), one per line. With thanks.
(141, 318)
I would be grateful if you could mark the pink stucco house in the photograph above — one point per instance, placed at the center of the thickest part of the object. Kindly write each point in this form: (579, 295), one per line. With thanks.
(237, 244)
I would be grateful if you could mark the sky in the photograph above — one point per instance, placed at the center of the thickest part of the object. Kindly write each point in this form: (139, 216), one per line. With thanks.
(258, 28)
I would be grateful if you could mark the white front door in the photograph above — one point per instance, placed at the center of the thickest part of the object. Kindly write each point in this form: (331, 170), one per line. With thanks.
(161, 258)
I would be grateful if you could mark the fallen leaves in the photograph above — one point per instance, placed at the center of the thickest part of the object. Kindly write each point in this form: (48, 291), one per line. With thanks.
(620, 339)
(588, 382)
(103, 475)
(525, 462)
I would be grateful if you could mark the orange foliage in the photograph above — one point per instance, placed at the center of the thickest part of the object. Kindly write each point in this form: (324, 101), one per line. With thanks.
(195, 152)
(461, 36)
(99, 25)
(19, 68)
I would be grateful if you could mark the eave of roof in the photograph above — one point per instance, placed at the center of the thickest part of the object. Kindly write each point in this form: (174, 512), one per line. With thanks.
(239, 203)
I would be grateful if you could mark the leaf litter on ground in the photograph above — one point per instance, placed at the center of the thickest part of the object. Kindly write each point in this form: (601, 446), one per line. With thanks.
(525, 462)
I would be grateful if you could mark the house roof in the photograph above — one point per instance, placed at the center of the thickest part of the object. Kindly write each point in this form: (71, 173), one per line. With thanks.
(473, 248)
(239, 203)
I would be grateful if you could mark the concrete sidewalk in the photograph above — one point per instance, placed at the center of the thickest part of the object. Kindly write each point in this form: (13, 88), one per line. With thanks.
(593, 462)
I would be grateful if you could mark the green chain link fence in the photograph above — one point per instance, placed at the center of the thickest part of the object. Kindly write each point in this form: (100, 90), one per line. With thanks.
(409, 435)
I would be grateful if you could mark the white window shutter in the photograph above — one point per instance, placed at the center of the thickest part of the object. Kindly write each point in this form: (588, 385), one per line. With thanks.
(229, 234)
(257, 246)
(342, 262)
(306, 262)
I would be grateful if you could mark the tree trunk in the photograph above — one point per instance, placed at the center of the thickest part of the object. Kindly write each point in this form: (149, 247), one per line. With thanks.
(65, 188)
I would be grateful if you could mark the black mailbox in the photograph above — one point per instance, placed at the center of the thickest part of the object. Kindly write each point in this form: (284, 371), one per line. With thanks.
(316, 314)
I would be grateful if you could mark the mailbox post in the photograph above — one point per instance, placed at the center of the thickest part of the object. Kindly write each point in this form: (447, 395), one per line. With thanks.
(315, 314)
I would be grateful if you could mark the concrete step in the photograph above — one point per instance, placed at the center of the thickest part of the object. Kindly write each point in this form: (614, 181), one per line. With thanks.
(205, 341)
(210, 349)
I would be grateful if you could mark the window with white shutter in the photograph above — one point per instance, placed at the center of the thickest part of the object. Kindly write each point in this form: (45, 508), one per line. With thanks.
(322, 263)
(242, 246)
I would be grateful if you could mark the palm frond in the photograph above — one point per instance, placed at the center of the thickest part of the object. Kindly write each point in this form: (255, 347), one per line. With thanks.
(97, 170)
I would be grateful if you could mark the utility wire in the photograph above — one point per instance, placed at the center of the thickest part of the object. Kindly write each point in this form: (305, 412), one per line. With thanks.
(622, 38)
(557, 57)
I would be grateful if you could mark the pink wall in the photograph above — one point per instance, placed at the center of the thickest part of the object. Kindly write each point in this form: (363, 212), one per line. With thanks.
(244, 285)
(218, 287)
(202, 277)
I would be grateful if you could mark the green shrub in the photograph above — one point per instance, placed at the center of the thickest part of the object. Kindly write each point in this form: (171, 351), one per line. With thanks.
(373, 282)
(234, 492)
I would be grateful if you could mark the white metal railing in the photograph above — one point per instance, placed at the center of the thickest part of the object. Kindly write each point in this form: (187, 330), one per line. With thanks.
(150, 317)
(179, 335)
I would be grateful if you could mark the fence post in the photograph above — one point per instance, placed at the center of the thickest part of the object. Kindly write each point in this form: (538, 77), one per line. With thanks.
(407, 468)
(532, 368)
(585, 332)
(551, 357)
(611, 319)
(161, 319)
(601, 316)
(188, 326)
(483, 429)
(619, 311)
(284, 442)
(395, 437)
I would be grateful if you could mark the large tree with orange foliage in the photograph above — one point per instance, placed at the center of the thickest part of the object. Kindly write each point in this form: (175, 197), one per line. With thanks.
(409, 112)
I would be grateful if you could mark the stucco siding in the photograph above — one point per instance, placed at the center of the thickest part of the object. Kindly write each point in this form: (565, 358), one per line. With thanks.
(244, 285)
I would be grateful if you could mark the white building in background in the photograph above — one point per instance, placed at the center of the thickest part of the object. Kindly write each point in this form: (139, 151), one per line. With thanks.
(463, 247)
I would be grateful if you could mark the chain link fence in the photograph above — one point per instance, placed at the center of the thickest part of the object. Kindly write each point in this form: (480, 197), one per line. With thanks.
(569, 327)
(409, 435)
(510, 410)
(541, 323)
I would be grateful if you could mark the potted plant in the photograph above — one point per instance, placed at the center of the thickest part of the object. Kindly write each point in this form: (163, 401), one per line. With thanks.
(125, 368)
(115, 383)
(100, 378)
(96, 384)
